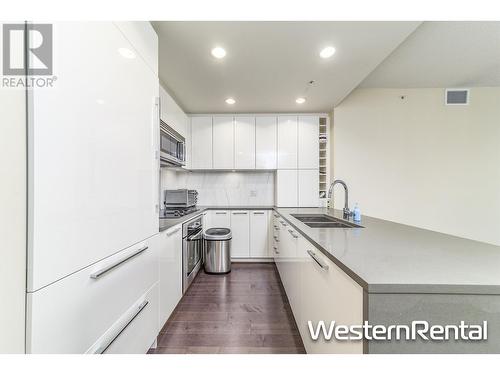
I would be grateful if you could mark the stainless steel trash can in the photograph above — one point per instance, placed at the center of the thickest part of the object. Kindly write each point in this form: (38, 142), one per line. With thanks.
(217, 250)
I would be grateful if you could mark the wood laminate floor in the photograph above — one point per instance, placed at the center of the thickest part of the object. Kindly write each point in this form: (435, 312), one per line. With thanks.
(246, 311)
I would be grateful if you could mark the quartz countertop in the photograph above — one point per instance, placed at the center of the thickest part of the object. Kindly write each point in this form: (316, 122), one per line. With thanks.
(387, 257)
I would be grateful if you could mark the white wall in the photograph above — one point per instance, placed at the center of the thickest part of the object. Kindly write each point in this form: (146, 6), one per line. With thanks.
(12, 220)
(419, 162)
(224, 188)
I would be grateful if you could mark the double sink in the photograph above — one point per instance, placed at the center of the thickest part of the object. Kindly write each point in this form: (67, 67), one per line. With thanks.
(324, 221)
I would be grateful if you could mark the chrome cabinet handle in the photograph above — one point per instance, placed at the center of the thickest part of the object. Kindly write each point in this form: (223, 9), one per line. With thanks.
(313, 255)
(258, 213)
(109, 267)
(283, 223)
(276, 250)
(221, 213)
(292, 233)
(240, 213)
(173, 232)
(276, 227)
(276, 239)
(101, 348)
(276, 216)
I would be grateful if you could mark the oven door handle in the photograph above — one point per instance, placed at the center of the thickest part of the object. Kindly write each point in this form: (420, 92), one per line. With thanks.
(195, 237)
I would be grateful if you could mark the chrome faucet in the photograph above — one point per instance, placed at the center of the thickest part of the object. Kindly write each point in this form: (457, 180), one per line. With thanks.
(346, 211)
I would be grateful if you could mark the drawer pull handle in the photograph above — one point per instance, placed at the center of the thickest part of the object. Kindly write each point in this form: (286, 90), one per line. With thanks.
(292, 233)
(276, 227)
(173, 232)
(283, 223)
(276, 216)
(313, 255)
(258, 213)
(101, 348)
(276, 250)
(276, 239)
(109, 267)
(221, 213)
(240, 213)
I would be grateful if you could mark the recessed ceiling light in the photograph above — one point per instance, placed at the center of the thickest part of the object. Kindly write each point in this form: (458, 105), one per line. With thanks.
(230, 101)
(127, 53)
(327, 52)
(218, 52)
(300, 100)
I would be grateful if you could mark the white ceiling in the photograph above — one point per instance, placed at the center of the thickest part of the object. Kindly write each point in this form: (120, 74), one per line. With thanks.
(269, 64)
(443, 54)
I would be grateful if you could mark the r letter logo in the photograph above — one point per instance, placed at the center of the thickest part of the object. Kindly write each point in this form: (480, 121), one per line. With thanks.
(39, 49)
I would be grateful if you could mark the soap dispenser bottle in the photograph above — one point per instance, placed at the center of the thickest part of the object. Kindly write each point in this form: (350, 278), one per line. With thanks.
(356, 213)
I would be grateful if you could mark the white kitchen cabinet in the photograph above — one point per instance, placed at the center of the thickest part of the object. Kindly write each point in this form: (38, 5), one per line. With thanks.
(287, 142)
(136, 330)
(93, 180)
(244, 142)
(240, 228)
(73, 314)
(201, 143)
(218, 219)
(223, 141)
(287, 188)
(144, 39)
(266, 142)
(308, 145)
(328, 294)
(172, 114)
(308, 188)
(170, 258)
(259, 234)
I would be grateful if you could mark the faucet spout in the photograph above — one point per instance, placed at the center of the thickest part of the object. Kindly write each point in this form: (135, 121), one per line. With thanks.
(346, 211)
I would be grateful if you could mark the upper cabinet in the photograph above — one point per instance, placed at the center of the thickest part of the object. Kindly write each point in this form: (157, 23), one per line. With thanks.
(266, 139)
(223, 143)
(201, 143)
(308, 145)
(287, 142)
(172, 114)
(144, 39)
(244, 142)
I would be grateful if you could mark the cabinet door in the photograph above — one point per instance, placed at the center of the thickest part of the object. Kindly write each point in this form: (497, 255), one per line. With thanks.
(259, 234)
(327, 294)
(201, 143)
(223, 151)
(240, 227)
(219, 219)
(308, 145)
(170, 271)
(266, 142)
(244, 142)
(287, 142)
(286, 188)
(93, 148)
(308, 188)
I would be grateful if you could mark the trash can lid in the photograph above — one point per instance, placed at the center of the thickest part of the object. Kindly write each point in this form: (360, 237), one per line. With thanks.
(217, 234)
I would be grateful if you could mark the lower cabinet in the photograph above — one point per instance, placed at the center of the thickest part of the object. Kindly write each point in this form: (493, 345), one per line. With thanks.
(251, 231)
(317, 289)
(259, 234)
(240, 228)
(88, 311)
(170, 258)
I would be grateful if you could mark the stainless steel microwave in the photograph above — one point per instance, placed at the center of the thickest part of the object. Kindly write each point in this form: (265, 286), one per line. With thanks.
(172, 147)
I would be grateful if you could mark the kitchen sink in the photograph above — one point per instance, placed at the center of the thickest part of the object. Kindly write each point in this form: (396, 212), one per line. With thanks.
(324, 221)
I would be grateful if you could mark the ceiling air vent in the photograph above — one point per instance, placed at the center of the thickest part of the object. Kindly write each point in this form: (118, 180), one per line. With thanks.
(457, 97)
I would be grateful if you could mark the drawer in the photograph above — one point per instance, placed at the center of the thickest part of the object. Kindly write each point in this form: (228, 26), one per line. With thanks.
(71, 314)
(135, 331)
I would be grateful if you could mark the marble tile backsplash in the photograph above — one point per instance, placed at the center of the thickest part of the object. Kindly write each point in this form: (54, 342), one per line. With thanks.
(224, 188)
